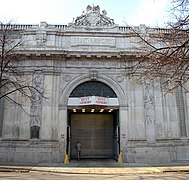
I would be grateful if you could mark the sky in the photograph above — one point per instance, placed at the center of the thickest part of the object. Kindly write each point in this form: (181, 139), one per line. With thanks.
(124, 12)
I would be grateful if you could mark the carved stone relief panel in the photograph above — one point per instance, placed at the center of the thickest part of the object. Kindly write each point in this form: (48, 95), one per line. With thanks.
(41, 38)
(149, 110)
(41, 35)
(36, 104)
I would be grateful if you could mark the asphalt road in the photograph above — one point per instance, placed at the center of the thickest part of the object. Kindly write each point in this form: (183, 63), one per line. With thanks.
(57, 176)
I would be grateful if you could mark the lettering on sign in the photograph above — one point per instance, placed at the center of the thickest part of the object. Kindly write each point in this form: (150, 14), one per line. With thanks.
(96, 100)
(101, 100)
(85, 100)
(100, 64)
(94, 41)
(62, 136)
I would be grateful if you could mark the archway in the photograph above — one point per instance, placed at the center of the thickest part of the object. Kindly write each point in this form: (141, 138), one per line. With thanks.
(93, 119)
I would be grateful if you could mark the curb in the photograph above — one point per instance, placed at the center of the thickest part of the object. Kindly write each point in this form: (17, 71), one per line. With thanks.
(118, 170)
(94, 170)
(14, 170)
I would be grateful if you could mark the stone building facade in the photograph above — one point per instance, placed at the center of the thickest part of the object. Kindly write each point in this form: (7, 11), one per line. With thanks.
(81, 67)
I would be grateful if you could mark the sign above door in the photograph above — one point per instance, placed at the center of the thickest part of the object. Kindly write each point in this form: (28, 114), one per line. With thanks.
(93, 100)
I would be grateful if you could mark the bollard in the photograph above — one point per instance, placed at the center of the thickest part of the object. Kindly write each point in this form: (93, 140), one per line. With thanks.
(120, 157)
(66, 159)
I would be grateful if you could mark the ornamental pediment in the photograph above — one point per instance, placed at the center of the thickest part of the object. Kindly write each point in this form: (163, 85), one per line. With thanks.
(93, 18)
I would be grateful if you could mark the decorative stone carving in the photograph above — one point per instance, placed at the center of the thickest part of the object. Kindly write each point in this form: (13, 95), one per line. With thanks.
(41, 35)
(92, 18)
(41, 38)
(149, 110)
(67, 78)
(36, 104)
(119, 78)
(148, 102)
(93, 75)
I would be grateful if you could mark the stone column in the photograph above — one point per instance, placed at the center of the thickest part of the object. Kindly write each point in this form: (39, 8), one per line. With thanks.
(62, 131)
(123, 119)
(149, 113)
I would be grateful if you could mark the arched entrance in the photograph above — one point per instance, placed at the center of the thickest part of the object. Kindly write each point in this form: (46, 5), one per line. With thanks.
(93, 119)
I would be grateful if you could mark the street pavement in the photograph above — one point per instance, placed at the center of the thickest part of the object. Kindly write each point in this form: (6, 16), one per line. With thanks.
(95, 166)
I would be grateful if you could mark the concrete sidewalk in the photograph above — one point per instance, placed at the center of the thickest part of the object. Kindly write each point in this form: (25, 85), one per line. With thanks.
(97, 167)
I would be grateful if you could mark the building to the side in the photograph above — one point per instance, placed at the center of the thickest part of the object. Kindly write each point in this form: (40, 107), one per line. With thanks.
(81, 67)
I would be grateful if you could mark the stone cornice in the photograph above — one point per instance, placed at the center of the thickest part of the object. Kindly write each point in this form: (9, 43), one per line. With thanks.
(65, 55)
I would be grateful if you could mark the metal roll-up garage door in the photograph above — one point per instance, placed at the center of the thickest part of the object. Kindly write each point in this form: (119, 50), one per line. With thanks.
(94, 132)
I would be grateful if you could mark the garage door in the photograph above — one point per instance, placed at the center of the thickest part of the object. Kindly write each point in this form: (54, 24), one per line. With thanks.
(94, 132)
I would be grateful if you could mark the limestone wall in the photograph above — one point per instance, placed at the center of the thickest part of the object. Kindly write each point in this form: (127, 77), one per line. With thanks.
(59, 59)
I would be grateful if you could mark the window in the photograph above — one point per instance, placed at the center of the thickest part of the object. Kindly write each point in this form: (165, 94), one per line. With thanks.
(35, 132)
(93, 88)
